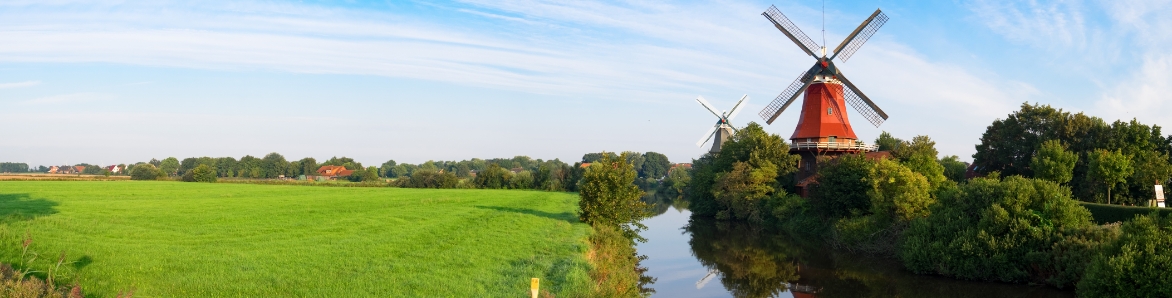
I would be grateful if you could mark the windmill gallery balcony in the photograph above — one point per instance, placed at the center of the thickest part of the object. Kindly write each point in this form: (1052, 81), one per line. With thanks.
(833, 146)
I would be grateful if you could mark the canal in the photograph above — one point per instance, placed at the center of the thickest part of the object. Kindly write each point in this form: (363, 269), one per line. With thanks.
(703, 258)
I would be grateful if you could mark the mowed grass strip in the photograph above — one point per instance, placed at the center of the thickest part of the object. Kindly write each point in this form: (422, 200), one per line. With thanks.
(198, 239)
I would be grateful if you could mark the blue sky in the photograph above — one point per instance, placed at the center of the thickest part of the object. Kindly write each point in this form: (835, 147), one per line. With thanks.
(117, 82)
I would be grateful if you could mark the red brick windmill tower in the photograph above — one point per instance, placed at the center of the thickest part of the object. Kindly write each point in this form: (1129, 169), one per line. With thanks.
(823, 126)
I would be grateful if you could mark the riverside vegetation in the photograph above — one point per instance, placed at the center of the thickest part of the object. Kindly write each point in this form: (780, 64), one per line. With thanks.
(1024, 221)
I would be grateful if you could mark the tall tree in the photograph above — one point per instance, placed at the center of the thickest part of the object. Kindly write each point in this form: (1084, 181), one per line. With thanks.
(655, 165)
(610, 197)
(169, 166)
(1054, 163)
(1109, 168)
(954, 169)
(636, 160)
(886, 142)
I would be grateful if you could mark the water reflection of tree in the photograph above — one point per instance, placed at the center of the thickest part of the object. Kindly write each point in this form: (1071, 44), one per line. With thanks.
(660, 203)
(750, 265)
(764, 263)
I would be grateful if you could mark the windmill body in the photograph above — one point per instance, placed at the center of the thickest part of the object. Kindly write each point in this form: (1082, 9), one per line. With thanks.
(824, 129)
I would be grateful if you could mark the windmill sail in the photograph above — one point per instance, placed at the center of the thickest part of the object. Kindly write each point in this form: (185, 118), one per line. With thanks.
(856, 40)
(864, 105)
(783, 23)
(787, 96)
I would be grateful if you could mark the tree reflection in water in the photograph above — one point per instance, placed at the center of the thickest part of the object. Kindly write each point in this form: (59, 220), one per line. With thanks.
(762, 263)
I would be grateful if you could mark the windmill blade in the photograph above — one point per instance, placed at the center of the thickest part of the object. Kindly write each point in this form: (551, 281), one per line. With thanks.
(708, 106)
(856, 40)
(862, 103)
(737, 108)
(707, 136)
(783, 23)
(787, 97)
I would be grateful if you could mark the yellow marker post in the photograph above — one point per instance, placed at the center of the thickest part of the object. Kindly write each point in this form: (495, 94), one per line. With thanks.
(534, 284)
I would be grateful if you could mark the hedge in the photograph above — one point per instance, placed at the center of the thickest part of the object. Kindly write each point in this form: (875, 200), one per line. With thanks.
(1104, 213)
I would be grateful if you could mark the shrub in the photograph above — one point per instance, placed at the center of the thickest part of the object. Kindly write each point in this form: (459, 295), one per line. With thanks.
(364, 175)
(610, 198)
(493, 177)
(758, 151)
(145, 171)
(429, 179)
(1104, 214)
(203, 173)
(522, 180)
(1011, 230)
(1136, 265)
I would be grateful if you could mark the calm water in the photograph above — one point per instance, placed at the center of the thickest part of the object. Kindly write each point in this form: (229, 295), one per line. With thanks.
(711, 259)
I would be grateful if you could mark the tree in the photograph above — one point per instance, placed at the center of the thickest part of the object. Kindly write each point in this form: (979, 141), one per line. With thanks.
(145, 171)
(886, 142)
(169, 166)
(751, 145)
(610, 198)
(677, 180)
(385, 169)
(308, 166)
(954, 169)
(920, 145)
(493, 177)
(225, 166)
(636, 160)
(364, 175)
(593, 157)
(655, 165)
(522, 180)
(201, 173)
(273, 165)
(743, 190)
(1108, 168)
(1054, 163)
(1151, 167)
(12, 167)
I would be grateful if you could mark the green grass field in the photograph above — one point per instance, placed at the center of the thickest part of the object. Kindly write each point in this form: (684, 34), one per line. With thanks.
(176, 239)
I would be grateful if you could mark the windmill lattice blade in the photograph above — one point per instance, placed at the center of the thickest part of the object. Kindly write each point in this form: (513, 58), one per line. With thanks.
(708, 106)
(737, 108)
(707, 136)
(787, 96)
(861, 103)
(786, 26)
(856, 40)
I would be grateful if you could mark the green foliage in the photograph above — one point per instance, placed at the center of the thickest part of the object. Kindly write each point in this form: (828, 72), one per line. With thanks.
(1008, 145)
(370, 174)
(13, 167)
(954, 169)
(203, 173)
(616, 265)
(1001, 230)
(145, 171)
(493, 177)
(610, 198)
(429, 179)
(928, 167)
(919, 146)
(676, 181)
(1108, 169)
(743, 190)
(656, 165)
(169, 166)
(843, 187)
(521, 180)
(594, 157)
(1150, 168)
(1054, 163)
(886, 142)
(1105, 214)
(757, 150)
(1136, 265)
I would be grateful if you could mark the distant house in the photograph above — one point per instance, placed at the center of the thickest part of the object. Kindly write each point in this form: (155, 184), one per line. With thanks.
(113, 169)
(685, 165)
(333, 171)
(65, 169)
(514, 170)
(79, 169)
(585, 165)
(53, 170)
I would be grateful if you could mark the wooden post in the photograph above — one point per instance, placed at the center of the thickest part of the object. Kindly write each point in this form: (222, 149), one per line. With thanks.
(534, 284)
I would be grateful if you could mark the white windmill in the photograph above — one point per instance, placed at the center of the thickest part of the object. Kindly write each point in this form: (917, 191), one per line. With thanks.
(722, 130)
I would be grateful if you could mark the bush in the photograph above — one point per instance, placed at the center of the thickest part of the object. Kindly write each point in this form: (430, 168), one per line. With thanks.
(1105, 214)
(364, 175)
(429, 179)
(522, 180)
(203, 173)
(1136, 265)
(610, 198)
(493, 177)
(145, 171)
(1011, 230)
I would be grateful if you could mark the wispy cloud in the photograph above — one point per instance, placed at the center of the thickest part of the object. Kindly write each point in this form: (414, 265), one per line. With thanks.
(67, 98)
(19, 84)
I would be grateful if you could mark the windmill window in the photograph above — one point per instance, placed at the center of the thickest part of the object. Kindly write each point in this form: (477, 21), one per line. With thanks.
(829, 111)
(833, 138)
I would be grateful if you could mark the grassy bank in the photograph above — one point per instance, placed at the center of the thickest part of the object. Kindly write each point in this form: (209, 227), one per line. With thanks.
(197, 239)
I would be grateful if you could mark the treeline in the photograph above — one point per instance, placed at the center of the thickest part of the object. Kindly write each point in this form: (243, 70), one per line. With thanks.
(1012, 225)
(1123, 158)
(13, 167)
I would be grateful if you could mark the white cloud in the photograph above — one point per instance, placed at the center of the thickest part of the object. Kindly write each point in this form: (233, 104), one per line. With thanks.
(19, 84)
(67, 98)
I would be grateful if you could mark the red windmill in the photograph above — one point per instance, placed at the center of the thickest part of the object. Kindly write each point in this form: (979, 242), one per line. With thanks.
(823, 126)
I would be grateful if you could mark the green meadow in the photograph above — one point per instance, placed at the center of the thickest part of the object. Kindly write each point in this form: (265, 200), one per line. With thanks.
(176, 239)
